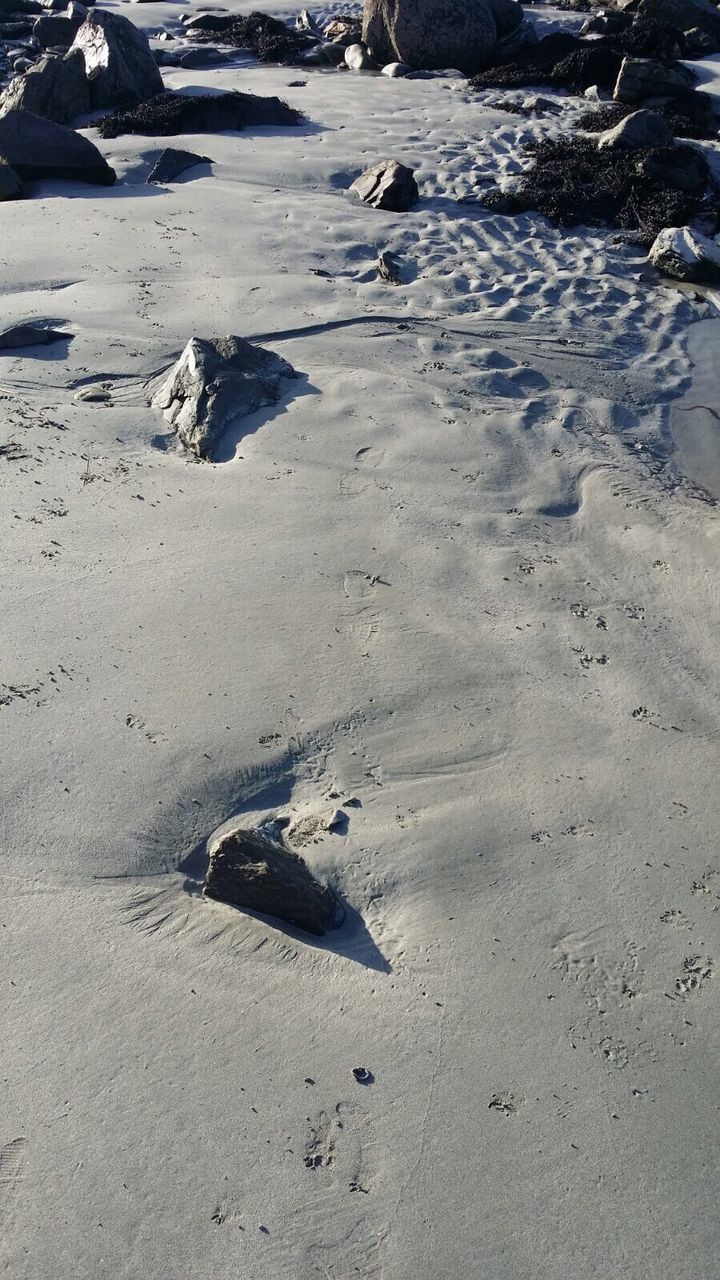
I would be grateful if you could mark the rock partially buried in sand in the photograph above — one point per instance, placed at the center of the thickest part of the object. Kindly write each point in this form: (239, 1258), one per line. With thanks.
(11, 188)
(636, 132)
(684, 254)
(216, 382)
(357, 58)
(172, 162)
(30, 335)
(250, 871)
(396, 70)
(389, 185)
(39, 149)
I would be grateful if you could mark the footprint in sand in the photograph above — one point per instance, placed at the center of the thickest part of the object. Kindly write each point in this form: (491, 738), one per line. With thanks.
(12, 1157)
(361, 616)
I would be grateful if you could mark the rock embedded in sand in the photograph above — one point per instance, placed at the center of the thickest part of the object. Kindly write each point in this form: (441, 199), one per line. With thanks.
(214, 384)
(39, 149)
(432, 34)
(119, 62)
(172, 162)
(684, 254)
(642, 129)
(640, 78)
(357, 58)
(396, 70)
(30, 335)
(254, 873)
(389, 185)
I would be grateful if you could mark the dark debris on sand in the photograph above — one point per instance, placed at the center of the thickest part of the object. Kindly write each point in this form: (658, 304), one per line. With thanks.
(689, 116)
(173, 113)
(572, 183)
(573, 63)
(267, 38)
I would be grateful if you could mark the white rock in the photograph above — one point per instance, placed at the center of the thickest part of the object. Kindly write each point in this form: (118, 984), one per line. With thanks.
(640, 130)
(358, 59)
(684, 254)
(395, 70)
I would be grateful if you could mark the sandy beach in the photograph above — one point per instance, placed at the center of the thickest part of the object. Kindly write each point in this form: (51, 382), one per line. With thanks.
(460, 582)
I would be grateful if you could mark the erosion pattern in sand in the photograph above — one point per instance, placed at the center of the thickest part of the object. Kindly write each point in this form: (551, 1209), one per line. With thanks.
(460, 575)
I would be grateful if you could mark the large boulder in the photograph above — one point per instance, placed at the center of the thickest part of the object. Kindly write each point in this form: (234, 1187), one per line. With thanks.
(55, 88)
(641, 78)
(432, 34)
(119, 62)
(249, 870)
(39, 149)
(55, 30)
(636, 132)
(388, 185)
(684, 254)
(214, 384)
(171, 113)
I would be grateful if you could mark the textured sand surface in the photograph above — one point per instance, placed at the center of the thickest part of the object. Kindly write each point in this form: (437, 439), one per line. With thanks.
(465, 573)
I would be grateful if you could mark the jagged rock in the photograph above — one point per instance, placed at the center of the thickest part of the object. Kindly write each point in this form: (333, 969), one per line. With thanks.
(358, 59)
(214, 384)
(640, 78)
(30, 335)
(389, 185)
(636, 132)
(346, 30)
(396, 70)
(39, 149)
(119, 63)
(432, 34)
(171, 163)
(699, 44)
(54, 30)
(11, 187)
(55, 88)
(685, 14)
(209, 21)
(171, 113)
(684, 254)
(255, 873)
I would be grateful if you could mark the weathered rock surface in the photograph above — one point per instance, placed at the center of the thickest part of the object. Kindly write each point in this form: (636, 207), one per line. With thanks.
(640, 78)
(171, 113)
(640, 130)
(172, 162)
(682, 167)
(433, 34)
(55, 88)
(396, 70)
(389, 185)
(346, 30)
(119, 63)
(250, 871)
(215, 383)
(11, 187)
(39, 149)
(684, 254)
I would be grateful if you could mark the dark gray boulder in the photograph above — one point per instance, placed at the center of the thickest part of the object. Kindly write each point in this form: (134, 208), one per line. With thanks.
(119, 62)
(11, 188)
(432, 34)
(55, 88)
(214, 384)
(685, 15)
(55, 30)
(39, 149)
(172, 162)
(389, 185)
(250, 871)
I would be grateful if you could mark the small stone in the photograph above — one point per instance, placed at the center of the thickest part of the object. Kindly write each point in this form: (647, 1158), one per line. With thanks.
(357, 58)
(396, 70)
(641, 130)
(363, 1075)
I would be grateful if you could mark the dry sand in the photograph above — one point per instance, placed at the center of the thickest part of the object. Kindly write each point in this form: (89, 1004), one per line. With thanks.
(461, 574)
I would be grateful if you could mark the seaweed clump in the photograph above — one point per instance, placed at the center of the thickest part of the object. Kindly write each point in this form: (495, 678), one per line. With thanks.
(687, 116)
(573, 183)
(573, 63)
(267, 38)
(172, 113)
